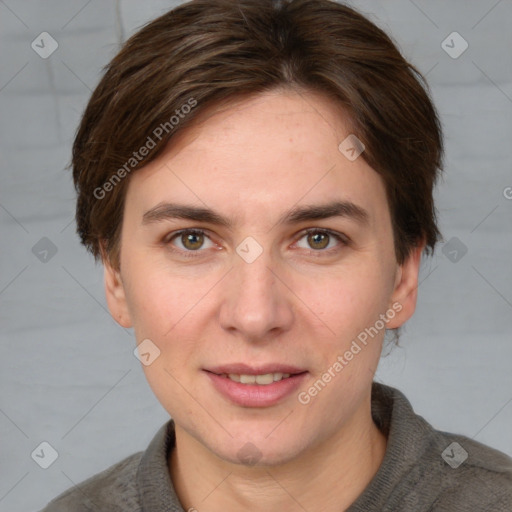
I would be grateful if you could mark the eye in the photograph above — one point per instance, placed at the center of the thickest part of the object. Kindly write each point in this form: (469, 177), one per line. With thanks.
(191, 241)
(319, 240)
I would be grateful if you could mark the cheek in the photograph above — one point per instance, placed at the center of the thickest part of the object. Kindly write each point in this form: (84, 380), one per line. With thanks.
(350, 300)
(151, 306)
(167, 310)
(158, 300)
(172, 311)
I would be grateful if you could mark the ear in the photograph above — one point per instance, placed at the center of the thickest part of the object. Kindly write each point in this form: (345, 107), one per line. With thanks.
(405, 293)
(115, 293)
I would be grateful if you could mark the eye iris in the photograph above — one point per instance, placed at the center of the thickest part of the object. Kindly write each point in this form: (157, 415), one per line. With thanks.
(314, 238)
(189, 237)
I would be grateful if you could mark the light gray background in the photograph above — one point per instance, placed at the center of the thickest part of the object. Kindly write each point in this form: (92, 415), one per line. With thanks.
(68, 375)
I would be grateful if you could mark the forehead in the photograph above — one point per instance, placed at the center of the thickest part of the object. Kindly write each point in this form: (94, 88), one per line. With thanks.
(281, 118)
(260, 155)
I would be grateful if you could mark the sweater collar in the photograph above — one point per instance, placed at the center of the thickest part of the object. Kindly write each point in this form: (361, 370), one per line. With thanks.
(156, 490)
(409, 437)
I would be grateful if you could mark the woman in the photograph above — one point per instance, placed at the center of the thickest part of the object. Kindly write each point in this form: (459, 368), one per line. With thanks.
(257, 180)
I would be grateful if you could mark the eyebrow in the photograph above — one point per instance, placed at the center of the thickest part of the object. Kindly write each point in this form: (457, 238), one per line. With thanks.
(169, 211)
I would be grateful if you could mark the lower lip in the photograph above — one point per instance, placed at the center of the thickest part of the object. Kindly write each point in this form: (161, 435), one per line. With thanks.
(256, 395)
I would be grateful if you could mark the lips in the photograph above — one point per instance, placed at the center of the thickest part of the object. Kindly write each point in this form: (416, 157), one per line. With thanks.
(248, 392)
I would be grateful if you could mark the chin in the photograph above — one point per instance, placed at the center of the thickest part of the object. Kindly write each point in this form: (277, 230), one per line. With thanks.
(254, 451)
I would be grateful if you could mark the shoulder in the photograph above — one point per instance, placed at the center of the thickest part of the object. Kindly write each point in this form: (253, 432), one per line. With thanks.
(115, 488)
(474, 476)
(426, 467)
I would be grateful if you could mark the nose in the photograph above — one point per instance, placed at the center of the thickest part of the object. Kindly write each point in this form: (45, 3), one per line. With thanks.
(257, 300)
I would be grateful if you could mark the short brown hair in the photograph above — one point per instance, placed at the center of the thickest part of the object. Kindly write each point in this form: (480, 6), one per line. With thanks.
(207, 52)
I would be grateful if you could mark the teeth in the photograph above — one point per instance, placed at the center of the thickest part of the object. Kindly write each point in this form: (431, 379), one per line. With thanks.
(265, 379)
(268, 378)
(247, 379)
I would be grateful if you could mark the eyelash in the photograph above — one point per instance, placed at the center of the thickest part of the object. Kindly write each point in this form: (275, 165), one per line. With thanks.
(194, 254)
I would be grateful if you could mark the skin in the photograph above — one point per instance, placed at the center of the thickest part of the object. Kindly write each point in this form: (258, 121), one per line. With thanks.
(295, 304)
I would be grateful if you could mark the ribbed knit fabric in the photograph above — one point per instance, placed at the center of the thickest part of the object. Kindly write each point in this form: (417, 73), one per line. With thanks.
(413, 477)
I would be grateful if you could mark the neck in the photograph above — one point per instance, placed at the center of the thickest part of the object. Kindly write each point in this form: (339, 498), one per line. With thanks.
(329, 476)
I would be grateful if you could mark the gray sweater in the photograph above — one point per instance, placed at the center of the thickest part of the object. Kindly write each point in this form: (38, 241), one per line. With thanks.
(424, 470)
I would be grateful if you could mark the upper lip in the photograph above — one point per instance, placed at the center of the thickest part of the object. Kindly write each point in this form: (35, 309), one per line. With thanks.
(245, 369)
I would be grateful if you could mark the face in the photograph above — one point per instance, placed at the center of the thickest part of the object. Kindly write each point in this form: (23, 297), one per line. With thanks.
(265, 291)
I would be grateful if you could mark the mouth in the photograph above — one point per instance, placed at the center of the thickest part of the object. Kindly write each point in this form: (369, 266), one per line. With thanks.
(262, 375)
(256, 386)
